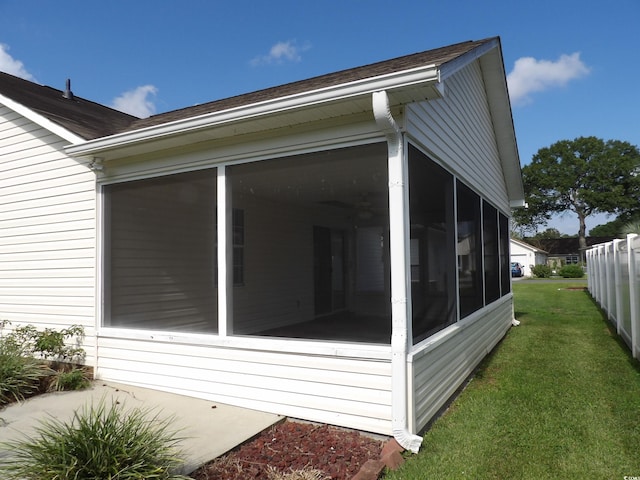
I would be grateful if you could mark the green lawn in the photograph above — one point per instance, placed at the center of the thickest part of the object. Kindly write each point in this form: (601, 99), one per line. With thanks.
(559, 398)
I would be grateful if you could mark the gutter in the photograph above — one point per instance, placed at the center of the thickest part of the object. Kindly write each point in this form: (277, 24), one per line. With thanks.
(399, 251)
(414, 77)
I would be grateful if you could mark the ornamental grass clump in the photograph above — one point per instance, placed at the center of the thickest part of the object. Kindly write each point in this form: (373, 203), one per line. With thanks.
(100, 442)
(20, 375)
(34, 361)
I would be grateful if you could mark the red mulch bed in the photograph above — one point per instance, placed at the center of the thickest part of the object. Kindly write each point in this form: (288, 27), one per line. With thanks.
(338, 453)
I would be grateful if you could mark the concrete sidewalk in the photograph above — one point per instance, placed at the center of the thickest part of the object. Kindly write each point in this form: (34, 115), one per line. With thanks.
(209, 429)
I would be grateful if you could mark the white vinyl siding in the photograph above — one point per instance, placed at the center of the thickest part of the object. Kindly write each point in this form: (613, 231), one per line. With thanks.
(47, 231)
(458, 131)
(443, 363)
(325, 388)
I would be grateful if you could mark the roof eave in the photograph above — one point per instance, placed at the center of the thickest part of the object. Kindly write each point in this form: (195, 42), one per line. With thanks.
(529, 246)
(41, 120)
(492, 65)
(402, 81)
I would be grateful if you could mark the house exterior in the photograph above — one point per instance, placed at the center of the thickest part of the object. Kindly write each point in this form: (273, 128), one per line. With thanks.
(527, 255)
(48, 206)
(334, 249)
(566, 250)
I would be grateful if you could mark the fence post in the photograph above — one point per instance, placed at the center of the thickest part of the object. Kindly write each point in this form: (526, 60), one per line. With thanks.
(602, 277)
(589, 268)
(617, 286)
(633, 292)
(608, 281)
(596, 273)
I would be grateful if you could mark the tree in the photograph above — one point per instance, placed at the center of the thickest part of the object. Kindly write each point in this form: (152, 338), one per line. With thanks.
(609, 229)
(585, 176)
(550, 233)
(619, 227)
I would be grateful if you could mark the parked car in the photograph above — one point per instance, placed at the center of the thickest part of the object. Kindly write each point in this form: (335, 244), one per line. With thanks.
(517, 270)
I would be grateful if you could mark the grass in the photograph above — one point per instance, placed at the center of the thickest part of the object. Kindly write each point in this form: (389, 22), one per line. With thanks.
(559, 398)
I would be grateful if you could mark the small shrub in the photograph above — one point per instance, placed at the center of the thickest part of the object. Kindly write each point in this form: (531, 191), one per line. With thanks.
(20, 376)
(32, 361)
(100, 442)
(541, 271)
(73, 379)
(49, 344)
(571, 271)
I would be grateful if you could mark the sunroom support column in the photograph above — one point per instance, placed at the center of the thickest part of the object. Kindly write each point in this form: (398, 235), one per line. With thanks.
(400, 282)
(225, 255)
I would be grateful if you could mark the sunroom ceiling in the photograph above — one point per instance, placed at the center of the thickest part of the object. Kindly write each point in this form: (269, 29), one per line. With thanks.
(339, 178)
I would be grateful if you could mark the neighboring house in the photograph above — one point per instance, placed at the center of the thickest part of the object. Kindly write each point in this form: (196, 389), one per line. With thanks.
(566, 250)
(292, 250)
(527, 255)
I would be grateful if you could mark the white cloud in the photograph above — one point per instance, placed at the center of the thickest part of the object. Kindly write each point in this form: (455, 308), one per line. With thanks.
(281, 52)
(530, 75)
(10, 65)
(137, 102)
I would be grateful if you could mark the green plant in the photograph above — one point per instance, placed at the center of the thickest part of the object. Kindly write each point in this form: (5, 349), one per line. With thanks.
(24, 356)
(49, 344)
(100, 442)
(541, 271)
(69, 379)
(19, 376)
(631, 227)
(571, 271)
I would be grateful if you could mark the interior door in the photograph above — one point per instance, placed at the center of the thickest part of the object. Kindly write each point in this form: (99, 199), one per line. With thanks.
(322, 269)
(328, 270)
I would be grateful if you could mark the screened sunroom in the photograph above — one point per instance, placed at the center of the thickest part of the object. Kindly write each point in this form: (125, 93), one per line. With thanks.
(334, 249)
(306, 248)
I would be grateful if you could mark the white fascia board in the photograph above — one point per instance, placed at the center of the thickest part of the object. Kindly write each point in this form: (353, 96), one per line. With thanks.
(389, 82)
(490, 55)
(462, 61)
(41, 120)
(492, 66)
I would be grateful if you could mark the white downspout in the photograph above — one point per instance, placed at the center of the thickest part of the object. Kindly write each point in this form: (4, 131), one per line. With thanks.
(399, 246)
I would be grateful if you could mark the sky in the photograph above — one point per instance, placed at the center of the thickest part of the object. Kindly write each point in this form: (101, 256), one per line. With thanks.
(572, 66)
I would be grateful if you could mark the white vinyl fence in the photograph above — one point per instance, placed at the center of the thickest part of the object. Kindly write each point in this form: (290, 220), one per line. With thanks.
(614, 282)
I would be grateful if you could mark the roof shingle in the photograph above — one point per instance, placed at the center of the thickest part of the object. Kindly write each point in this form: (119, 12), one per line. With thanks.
(91, 120)
(435, 57)
(86, 119)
